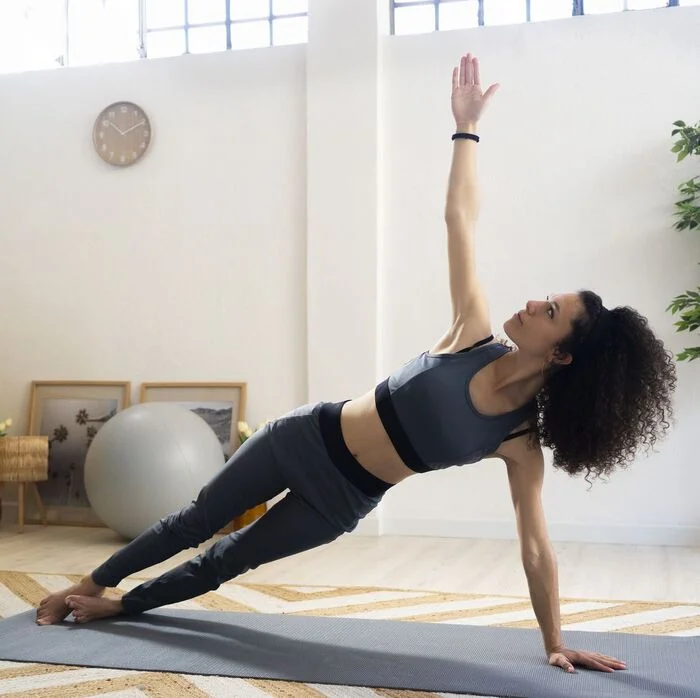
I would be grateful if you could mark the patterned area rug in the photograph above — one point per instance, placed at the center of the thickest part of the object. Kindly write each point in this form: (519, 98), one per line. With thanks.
(21, 592)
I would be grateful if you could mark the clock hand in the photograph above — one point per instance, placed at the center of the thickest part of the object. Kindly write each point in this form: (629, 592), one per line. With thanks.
(116, 129)
(140, 123)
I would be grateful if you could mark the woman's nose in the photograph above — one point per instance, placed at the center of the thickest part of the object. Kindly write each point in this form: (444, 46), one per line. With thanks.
(531, 306)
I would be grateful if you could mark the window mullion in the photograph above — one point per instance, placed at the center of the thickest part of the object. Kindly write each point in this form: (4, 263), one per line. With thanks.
(143, 51)
(228, 25)
(66, 36)
(187, 28)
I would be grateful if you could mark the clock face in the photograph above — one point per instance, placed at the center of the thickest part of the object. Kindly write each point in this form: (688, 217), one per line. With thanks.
(121, 134)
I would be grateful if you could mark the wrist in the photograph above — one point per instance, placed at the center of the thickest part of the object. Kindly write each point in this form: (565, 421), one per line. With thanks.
(467, 126)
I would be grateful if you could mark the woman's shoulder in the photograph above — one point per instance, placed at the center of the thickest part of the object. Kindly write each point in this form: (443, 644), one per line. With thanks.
(460, 347)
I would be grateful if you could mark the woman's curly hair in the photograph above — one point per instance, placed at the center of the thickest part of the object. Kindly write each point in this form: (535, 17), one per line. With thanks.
(595, 412)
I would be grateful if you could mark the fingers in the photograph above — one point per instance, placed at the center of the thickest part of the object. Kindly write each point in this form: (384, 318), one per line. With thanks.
(602, 662)
(491, 91)
(561, 661)
(467, 73)
(598, 666)
(611, 662)
(596, 661)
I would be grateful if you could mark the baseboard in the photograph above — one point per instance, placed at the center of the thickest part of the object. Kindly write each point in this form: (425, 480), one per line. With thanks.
(369, 526)
(684, 536)
(373, 525)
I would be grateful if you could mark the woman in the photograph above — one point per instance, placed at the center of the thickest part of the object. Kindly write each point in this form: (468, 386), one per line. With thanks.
(589, 383)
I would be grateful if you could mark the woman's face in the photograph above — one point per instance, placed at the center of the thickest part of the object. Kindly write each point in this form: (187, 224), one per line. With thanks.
(543, 324)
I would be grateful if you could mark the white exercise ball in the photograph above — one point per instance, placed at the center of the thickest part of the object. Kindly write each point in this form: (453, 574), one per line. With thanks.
(148, 461)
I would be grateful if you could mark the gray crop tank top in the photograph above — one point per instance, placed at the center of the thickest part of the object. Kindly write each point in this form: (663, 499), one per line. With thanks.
(428, 414)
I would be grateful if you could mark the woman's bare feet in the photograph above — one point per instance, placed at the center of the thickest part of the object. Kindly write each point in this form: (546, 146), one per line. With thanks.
(53, 609)
(87, 608)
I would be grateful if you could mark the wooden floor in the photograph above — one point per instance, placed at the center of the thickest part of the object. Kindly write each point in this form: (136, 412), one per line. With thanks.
(442, 564)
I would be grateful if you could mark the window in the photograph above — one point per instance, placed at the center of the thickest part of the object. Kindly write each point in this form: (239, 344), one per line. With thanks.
(48, 34)
(174, 27)
(420, 16)
(32, 35)
(102, 31)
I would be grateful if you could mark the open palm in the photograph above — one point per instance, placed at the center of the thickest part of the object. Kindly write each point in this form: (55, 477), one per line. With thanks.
(567, 659)
(468, 99)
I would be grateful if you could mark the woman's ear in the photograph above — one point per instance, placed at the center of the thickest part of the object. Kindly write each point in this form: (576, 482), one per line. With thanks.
(561, 358)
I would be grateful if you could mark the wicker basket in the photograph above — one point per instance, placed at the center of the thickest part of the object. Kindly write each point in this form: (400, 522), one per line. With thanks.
(24, 458)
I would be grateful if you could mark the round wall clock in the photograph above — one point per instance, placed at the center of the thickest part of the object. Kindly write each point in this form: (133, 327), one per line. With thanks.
(121, 134)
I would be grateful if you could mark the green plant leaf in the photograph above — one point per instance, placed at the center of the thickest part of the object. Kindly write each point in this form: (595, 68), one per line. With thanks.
(689, 354)
(687, 217)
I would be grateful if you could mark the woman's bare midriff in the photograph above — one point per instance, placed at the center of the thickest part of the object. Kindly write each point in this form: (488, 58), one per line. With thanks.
(367, 440)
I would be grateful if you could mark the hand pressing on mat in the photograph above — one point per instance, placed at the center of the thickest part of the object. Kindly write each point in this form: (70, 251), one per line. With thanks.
(567, 659)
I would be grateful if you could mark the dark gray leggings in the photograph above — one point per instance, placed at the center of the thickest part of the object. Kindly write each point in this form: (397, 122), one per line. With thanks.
(287, 454)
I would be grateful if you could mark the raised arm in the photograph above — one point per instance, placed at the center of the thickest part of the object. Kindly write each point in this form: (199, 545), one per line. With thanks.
(468, 104)
(462, 200)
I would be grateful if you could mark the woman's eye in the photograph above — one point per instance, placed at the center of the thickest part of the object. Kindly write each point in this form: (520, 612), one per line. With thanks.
(550, 309)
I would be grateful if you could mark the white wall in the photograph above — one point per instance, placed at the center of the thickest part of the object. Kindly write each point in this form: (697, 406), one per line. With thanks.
(186, 266)
(343, 195)
(289, 215)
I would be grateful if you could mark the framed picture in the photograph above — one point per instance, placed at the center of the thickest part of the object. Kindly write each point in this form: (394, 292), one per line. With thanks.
(220, 405)
(71, 413)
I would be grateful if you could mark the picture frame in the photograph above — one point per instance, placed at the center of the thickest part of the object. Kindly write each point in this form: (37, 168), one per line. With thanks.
(221, 404)
(71, 413)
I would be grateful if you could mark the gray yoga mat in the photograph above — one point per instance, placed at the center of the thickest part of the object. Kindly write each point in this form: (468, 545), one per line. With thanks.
(376, 653)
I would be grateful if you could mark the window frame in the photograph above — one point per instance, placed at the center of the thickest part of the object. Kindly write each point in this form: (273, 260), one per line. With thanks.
(577, 10)
(141, 49)
(270, 18)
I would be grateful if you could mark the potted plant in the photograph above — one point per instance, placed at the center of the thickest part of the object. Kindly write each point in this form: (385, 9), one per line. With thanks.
(688, 218)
